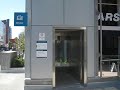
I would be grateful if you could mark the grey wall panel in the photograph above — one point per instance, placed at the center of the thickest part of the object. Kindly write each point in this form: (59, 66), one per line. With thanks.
(41, 67)
(90, 52)
(27, 40)
(96, 39)
(79, 12)
(47, 12)
(27, 54)
(28, 10)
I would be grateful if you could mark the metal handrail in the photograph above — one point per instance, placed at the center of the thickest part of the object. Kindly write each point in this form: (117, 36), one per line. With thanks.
(111, 57)
(111, 60)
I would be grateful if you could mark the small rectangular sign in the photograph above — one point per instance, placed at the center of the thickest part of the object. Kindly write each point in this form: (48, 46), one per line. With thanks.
(41, 54)
(41, 49)
(41, 45)
(41, 36)
(20, 19)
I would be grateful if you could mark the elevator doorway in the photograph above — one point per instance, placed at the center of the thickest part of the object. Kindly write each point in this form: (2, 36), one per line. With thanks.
(69, 55)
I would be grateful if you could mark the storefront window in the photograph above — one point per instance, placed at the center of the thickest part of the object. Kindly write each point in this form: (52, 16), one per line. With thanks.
(110, 42)
(109, 1)
(110, 15)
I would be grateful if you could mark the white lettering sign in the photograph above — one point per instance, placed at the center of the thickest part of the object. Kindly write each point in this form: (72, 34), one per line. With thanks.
(109, 17)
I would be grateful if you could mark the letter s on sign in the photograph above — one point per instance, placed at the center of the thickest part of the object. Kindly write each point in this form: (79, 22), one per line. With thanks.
(116, 17)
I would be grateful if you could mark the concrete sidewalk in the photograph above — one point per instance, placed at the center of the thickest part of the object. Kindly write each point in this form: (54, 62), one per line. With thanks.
(15, 81)
(112, 85)
(12, 81)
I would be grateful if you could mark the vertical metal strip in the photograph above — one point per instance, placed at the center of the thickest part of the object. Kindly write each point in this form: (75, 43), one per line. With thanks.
(63, 11)
(100, 6)
(30, 37)
(54, 82)
(85, 57)
(118, 68)
(28, 30)
(118, 73)
(25, 34)
(96, 51)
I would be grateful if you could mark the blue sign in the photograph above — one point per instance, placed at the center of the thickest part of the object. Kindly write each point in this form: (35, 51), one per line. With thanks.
(20, 19)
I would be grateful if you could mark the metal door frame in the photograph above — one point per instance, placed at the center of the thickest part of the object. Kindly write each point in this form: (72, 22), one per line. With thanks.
(84, 65)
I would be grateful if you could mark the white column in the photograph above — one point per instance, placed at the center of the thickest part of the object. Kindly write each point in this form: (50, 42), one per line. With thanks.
(91, 52)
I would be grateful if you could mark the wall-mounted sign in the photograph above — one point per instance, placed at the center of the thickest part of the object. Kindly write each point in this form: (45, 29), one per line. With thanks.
(41, 36)
(41, 49)
(41, 54)
(109, 17)
(41, 45)
(20, 19)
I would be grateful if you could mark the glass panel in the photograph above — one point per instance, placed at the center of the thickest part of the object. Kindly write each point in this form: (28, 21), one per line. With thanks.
(110, 17)
(111, 58)
(68, 56)
(109, 1)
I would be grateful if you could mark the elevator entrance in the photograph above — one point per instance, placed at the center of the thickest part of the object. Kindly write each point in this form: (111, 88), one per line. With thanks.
(69, 55)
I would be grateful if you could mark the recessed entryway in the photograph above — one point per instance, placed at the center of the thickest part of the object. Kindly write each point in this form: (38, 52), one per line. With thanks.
(69, 57)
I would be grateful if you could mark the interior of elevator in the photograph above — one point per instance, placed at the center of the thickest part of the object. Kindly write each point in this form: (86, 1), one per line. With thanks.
(68, 56)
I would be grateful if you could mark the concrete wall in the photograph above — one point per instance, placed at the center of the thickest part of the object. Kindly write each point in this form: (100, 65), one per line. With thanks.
(27, 54)
(43, 15)
(5, 59)
(79, 12)
(63, 12)
(41, 67)
(47, 12)
(28, 41)
(90, 52)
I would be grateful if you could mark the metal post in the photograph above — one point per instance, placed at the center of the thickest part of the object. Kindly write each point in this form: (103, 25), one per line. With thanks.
(100, 6)
(118, 68)
(119, 56)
